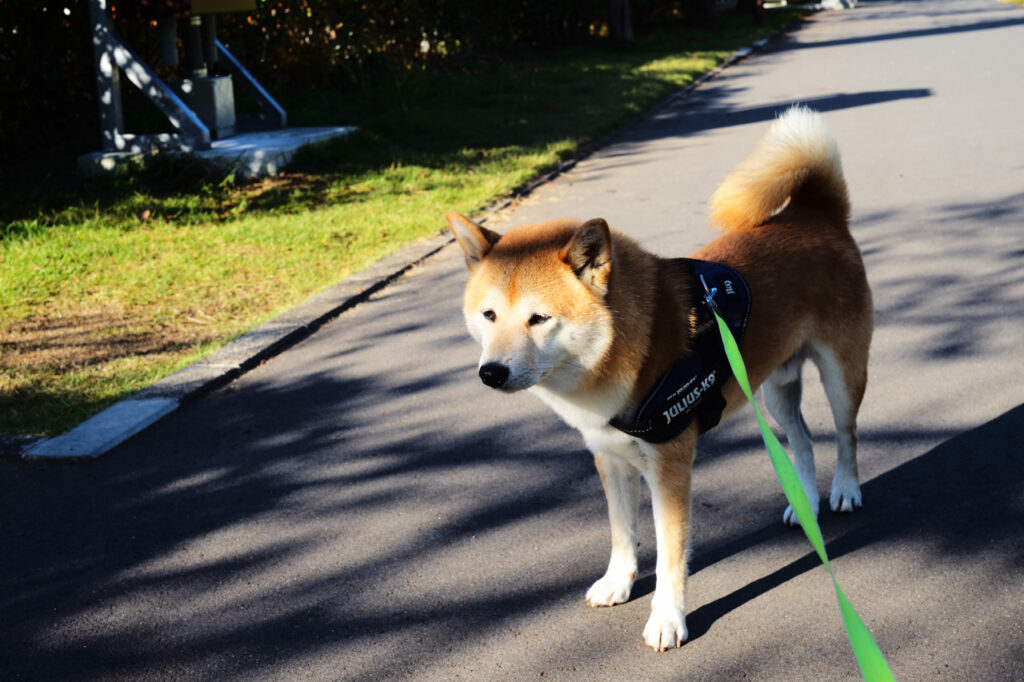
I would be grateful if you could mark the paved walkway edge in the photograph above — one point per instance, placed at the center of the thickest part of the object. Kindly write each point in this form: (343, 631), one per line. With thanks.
(121, 421)
(118, 423)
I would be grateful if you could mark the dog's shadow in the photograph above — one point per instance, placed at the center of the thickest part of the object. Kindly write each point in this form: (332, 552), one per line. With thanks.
(912, 500)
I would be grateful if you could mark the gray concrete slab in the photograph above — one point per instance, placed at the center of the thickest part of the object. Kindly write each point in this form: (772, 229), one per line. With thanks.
(266, 152)
(360, 507)
(249, 155)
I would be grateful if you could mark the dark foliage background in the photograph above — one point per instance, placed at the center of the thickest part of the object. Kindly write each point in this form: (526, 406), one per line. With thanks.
(48, 97)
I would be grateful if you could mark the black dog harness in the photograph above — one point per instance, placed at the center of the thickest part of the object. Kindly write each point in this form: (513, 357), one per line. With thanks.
(692, 387)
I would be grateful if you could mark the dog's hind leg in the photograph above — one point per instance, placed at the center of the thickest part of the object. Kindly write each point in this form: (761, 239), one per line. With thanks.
(621, 482)
(782, 393)
(844, 376)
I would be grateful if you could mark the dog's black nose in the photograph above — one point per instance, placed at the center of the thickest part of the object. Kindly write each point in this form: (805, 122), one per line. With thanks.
(494, 374)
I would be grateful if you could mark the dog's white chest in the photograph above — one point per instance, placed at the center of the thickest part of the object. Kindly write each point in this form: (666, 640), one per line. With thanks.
(610, 441)
(590, 415)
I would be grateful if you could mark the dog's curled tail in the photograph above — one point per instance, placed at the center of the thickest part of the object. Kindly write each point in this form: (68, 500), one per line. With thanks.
(796, 161)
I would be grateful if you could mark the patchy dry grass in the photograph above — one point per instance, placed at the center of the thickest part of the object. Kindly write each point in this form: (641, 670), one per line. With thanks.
(65, 363)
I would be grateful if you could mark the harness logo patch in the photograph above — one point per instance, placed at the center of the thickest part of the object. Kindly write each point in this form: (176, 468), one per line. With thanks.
(690, 399)
(728, 287)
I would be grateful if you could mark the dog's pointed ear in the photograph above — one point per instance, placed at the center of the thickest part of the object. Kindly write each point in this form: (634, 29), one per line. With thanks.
(476, 241)
(589, 254)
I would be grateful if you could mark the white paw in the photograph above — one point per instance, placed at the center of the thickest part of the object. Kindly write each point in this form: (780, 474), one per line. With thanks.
(666, 628)
(612, 589)
(845, 495)
(789, 516)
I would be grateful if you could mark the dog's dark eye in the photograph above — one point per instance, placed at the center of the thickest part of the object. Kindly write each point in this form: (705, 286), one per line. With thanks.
(537, 318)
(490, 316)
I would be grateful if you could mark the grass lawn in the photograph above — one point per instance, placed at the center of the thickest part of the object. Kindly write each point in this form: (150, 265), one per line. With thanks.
(105, 287)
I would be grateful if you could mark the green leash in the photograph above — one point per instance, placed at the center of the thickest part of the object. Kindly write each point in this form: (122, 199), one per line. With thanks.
(869, 657)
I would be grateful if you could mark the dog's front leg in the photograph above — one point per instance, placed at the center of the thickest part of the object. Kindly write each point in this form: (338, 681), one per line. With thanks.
(669, 479)
(621, 482)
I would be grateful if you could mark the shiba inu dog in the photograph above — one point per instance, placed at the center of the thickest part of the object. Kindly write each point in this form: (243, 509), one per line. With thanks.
(592, 324)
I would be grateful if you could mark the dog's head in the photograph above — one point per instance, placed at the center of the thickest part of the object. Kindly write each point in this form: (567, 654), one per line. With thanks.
(535, 301)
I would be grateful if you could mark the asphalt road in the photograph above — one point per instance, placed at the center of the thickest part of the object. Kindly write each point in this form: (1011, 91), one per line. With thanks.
(361, 507)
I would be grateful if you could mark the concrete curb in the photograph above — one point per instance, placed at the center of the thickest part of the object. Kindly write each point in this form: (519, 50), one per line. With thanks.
(121, 421)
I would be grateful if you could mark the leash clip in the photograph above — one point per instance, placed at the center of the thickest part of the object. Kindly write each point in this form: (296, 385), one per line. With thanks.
(709, 295)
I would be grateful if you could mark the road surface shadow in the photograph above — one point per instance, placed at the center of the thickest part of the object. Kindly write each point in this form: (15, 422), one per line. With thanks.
(951, 29)
(970, 482)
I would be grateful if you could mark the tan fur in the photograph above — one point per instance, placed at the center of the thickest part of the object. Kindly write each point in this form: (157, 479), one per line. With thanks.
(547, 286)
(785, 161)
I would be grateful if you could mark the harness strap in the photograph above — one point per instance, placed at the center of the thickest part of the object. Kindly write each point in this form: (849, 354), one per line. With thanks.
(691, 388)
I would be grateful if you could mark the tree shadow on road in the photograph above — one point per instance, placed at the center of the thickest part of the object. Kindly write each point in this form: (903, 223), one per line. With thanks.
(939, 12)
(981, 470)
(207, 543)
(265, 522)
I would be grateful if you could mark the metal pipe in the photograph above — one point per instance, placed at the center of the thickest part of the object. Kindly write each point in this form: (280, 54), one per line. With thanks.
(193, 40)
(210, 39)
